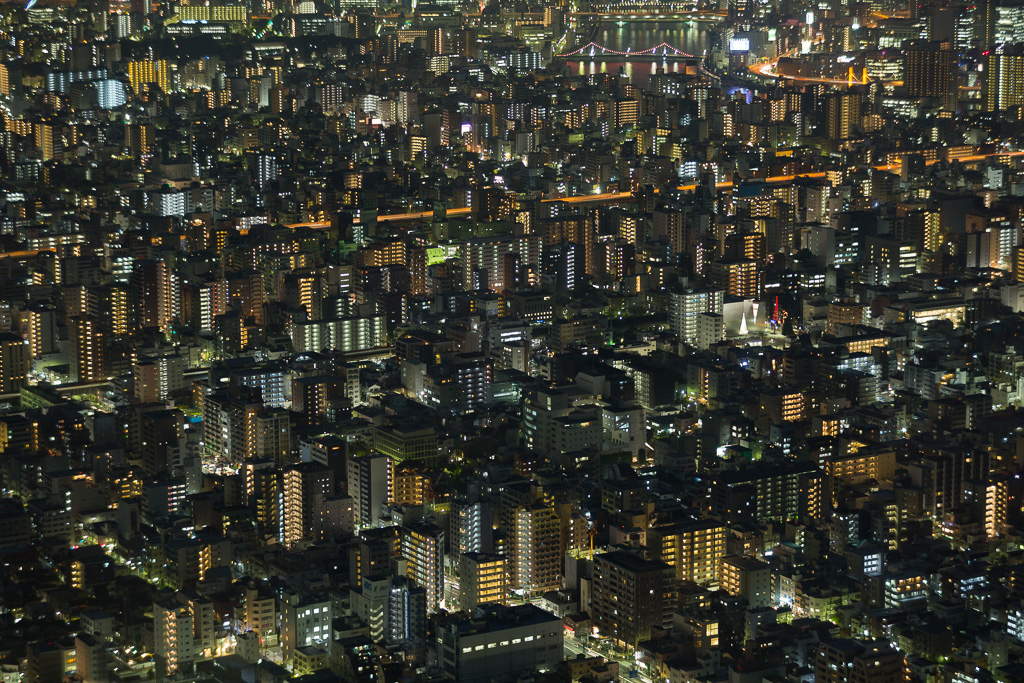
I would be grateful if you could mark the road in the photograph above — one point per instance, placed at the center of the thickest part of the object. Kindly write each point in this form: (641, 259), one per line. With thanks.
(768, 70)
(613, 197)
(573, 647)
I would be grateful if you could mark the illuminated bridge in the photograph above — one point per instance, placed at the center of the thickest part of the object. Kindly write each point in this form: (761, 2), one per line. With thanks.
(595, 52)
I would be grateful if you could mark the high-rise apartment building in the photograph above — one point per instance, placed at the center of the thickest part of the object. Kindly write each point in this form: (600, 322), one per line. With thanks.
(154, 379)
(92, 663)
(471, 528)
(14, 358)
(783, 405)
(38, 324)
(693, 549)
(483, 579)
(146, 71)
(407, 611)
(89, 349)
(843, 660)
(710, 330)
(238, 427)
(483, 259)
(173, 638)
(842, 115)
(684, 307)
(1004, 78)
(306, 486)
(157, 291)
(422, 546)
(535, 552)
(930, 70)
(739, 278)
(631, 595)
(370, 481)
(160, 438)
(747, 577)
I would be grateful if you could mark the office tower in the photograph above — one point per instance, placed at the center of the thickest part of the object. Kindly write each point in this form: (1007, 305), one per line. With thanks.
(414, 443)
(422, 546)
(370, 480)
(930, 70)
(535, 557)
(1009, 25)
(684, 307)
(306, 486)
(985, 18)
(693, 549)
(892, 259)
(14, 359)
(843, 660)
(173, 635)
(89, 349)
(843, 115)
(499, 642)
(483, 579)
(631, 596)
(1004, 78)
(370, 601)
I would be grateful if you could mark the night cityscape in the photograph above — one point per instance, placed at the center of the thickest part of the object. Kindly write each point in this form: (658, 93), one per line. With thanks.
(633, 341)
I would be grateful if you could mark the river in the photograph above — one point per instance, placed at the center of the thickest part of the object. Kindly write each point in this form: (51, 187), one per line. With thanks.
(691, 37)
